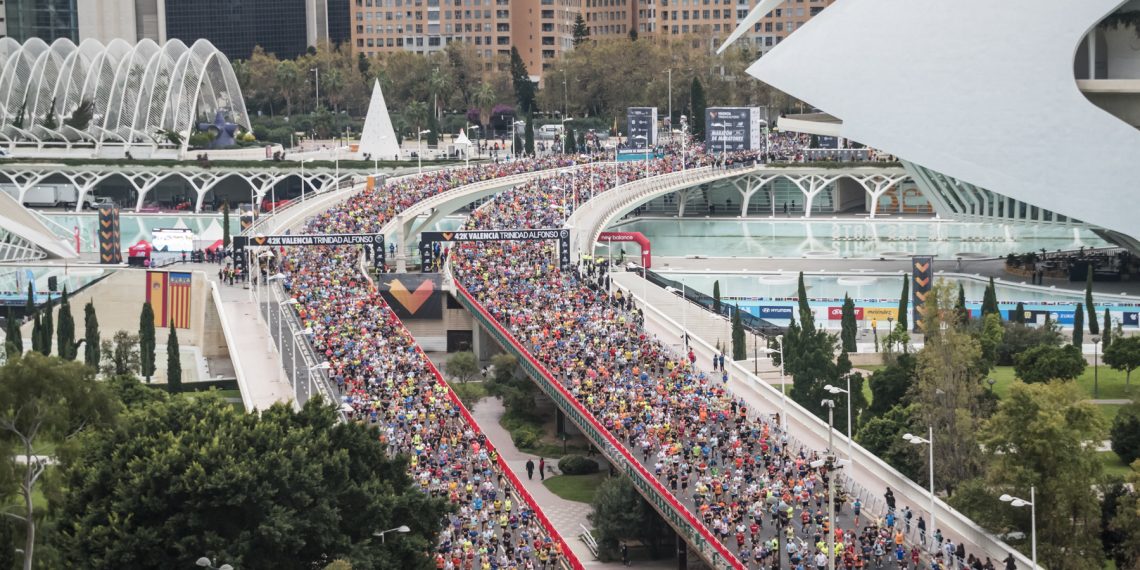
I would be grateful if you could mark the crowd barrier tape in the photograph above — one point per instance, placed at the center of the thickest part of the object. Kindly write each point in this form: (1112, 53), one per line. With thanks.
(680, 517)
(568, 556)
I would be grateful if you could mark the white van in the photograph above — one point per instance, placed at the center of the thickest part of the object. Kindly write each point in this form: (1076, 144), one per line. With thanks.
(551, 129)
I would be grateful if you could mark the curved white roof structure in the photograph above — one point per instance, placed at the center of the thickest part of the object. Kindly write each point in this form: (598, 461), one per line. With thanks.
(991, 100)
(135, 92)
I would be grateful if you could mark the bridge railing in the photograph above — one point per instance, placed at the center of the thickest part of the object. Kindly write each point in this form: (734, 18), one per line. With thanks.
(676, 514)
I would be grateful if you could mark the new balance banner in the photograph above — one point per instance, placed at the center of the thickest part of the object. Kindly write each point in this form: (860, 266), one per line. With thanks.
(922, 280)
(157, 283)
(178, 300)
(429, 239)
(836, 313)
(110, 250)
(413, 296)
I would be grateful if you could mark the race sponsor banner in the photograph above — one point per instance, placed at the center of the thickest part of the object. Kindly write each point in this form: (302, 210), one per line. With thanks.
(922, 280)
(880, 313)
(373, 241)
(641, 122)
(826, 141)
(1131, 319)
(413, 296)
(637, 237)
(738, 129)
(429, 239)
(836, 313)
(774, 312)
(1063, 317)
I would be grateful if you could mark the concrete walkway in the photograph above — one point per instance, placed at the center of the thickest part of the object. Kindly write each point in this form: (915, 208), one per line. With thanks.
(257, 364)
(566, 516)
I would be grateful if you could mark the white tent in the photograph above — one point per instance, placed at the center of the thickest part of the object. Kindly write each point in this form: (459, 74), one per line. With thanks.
(378, 139)
(208, 236)
(462, 140)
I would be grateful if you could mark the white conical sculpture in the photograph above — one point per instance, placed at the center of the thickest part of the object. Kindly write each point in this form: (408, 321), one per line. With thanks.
(378, 140)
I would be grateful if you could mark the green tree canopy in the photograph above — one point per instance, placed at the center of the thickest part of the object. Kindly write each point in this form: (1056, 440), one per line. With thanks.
(697, 103)
(890, 384)
(1125, 433)
(904, 301)
(739, 341)
(1124, 354)
(1093, 327)
(581, 33)
(193, 477)
(990, 300)
(92, 342)
(173, 361)
(462, 366)
(620, 513)
(1079, 326)
(44, 399)
(520, 79)
(1038, 438)
(1044, 363)
(147, 343)
(848, 325)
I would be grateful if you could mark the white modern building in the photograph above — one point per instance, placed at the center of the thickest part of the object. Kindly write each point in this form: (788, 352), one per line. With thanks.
(111, 99)
(1021, 109)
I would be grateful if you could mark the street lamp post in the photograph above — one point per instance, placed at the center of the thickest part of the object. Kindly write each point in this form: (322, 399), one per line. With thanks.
(401, 529)
(420, 149)
(564, 121)
(723, 141)
(837, 390)
(1032, 502)
(302, 332)
(1096, 371)
(309, 387)
(929, 441)
(645, 139)
(830, 405)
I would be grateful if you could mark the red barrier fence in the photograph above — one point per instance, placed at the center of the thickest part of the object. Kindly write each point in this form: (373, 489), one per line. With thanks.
(567, 555)
(694, 524)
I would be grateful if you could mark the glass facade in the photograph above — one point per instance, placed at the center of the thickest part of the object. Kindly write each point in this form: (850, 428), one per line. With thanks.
(48, 20)
(236, 26)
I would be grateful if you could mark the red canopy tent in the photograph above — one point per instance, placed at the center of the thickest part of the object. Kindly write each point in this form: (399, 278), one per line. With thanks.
(140, 249)
(214, 246)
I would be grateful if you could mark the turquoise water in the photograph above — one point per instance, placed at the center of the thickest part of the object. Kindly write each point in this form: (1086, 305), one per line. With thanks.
(851, 238)
(135, 227)
(756, 290)
(14, 281)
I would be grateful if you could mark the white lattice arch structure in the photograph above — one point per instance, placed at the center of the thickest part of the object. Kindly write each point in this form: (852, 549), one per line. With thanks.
(136, 92)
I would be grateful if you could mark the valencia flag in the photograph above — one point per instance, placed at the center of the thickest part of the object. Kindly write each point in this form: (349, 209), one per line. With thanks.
(169, 296)
(178, 300)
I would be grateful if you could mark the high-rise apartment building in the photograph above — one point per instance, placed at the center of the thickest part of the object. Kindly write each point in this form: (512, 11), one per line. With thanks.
(48, 20)
(543, 29)
(236, 26)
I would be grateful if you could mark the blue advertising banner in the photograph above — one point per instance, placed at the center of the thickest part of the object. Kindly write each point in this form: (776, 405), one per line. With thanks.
(773, 312)
(1131, 319)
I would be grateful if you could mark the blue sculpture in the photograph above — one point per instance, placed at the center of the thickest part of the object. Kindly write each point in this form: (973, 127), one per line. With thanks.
(223, 131)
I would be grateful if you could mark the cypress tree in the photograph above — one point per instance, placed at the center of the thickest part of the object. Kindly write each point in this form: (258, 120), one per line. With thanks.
(520, 80)
(697, 102)
(716, 296)
(1107, 330)
(904, 300)
(807, 320)
(989, 300)
(173, 362)
(1093, 326)
(528, 145)
(1019, 313)
(1079, 326)
(739, 345)
(48, 329)
(37, 334)
(226, 221)
(569, 146)
(960, 308)
(146, 342)
(849, 326)
(90, 335)
(65, 330)
(13, 341)
(30, 307)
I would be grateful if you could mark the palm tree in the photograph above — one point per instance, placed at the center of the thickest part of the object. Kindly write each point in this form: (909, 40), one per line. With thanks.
(439, 83)
(485, 99)
(415, 115)
(288, 79)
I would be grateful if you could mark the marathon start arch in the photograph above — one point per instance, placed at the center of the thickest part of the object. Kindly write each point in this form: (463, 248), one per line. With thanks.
(636, 237)
(428, 240)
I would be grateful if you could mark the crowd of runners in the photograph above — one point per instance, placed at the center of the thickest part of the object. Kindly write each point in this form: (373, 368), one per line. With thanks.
(756, 492)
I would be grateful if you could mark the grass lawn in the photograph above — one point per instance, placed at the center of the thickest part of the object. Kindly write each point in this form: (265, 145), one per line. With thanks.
(1113, 465)
(578, 488)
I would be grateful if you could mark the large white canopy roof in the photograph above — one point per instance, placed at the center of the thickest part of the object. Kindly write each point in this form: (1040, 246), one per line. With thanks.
(134, 91)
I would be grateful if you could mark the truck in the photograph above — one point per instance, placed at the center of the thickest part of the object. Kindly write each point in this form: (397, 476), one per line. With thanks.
(51, 196)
